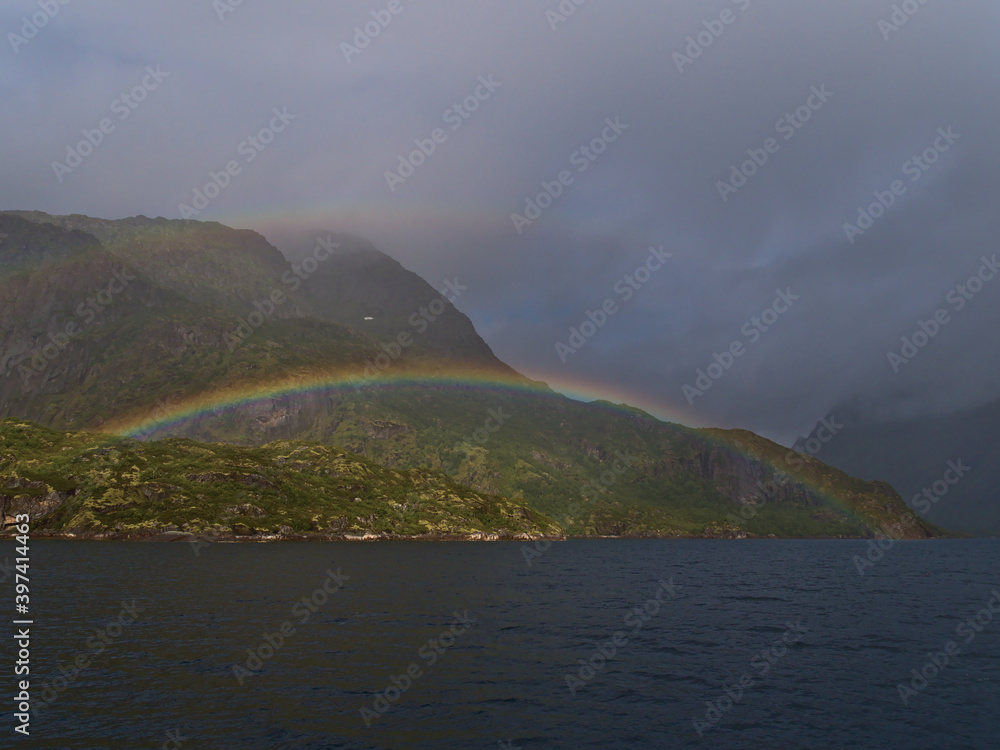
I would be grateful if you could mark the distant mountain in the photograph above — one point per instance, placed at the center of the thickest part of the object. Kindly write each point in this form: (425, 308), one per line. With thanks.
(173, 317)
(954, 457)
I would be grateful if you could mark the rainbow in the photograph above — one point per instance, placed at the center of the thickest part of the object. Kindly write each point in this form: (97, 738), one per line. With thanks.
(171, 415)
(718, 438)
(166, 416)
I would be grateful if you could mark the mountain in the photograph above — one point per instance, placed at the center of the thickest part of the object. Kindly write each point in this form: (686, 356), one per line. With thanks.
(359, 286)
(86, 335)
(201, 330)
(954, 457)
(204, 262)
(334, 277)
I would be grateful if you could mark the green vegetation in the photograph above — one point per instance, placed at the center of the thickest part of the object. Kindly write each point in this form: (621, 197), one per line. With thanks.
(386, 458)
(83, 483)
(87, 484)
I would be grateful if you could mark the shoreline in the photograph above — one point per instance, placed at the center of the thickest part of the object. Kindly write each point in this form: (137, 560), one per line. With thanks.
(190, 537)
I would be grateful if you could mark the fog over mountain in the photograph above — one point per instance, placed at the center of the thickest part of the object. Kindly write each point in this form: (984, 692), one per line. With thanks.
(625, 121)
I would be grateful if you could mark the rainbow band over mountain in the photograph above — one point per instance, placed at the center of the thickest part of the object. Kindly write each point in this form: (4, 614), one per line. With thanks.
(169, 416)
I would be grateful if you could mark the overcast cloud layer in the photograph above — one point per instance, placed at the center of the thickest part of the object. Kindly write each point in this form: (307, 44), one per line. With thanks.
(878, 96)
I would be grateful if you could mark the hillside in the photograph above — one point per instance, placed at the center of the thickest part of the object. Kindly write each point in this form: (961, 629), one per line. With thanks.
(335, 277)
(178, 342)
(90, 485)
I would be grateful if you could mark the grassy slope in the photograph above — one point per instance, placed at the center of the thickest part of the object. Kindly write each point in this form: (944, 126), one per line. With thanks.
(549, 448)
(126, 486)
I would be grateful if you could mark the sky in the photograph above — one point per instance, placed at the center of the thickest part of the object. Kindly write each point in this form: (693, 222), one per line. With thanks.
(687, 185)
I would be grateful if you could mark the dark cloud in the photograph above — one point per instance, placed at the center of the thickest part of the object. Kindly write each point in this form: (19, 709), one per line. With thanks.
(656, 184)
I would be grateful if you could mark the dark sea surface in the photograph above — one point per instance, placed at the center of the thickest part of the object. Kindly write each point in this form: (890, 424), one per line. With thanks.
(837, 643)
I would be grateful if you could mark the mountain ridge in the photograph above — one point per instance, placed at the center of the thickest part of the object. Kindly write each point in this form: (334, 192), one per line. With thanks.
(548, 452)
